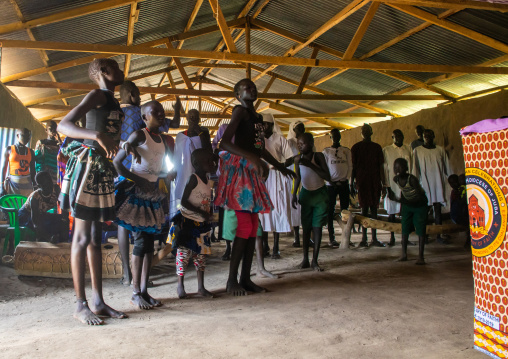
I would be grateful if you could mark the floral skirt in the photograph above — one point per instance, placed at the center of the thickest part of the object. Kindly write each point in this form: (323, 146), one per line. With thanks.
(88, 189)
(240, 187)
(139, 211)
(190, 234)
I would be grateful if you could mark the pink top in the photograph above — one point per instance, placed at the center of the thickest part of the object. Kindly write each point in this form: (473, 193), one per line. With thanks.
(486, 126)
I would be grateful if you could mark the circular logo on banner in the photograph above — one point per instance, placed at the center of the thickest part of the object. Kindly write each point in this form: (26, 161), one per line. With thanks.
(487, 212)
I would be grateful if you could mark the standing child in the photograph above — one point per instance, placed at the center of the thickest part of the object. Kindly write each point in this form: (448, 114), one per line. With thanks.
(138, 199)
(311, 171)
(241, 186)
(458, 204)
(192, 223)
(413, 210)
(88, 189)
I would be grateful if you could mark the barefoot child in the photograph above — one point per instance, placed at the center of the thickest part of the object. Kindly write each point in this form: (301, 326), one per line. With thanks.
(88, 188)
(311, 171)
(413, 208)
(241, 186)
(138, 199)
(192, 223)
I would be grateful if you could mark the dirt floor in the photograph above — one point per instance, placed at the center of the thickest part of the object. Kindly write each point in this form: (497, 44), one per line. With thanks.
(363, 305)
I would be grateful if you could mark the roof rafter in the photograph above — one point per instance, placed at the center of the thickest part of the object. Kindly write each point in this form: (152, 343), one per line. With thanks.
(451, 4)
(360, 32)
(133, 18)
(226, 34)
(279, 60)
(64, 15)
(461, 30)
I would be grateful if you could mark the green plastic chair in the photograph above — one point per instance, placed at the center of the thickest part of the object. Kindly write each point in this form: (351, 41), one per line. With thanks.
(11, 204)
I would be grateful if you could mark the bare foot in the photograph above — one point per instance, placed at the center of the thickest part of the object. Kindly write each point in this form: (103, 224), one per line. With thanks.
(265, 273)
(86, 316)
(316, 267)
(253, 287)
(106, 311)
(276, 255)
(401, 259)
(204, 293)
(305, 264)
(235, 289)
(153, 302)
(420, 261)
(140, 302)
(126, 279)
(181, 292)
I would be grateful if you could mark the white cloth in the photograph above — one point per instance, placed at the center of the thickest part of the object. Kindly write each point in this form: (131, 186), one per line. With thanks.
(340, 163)
(311, 181)
(391, 153)
(279, 188)
(201, 197)
(152, 158)
(432, 168)
(184, 146)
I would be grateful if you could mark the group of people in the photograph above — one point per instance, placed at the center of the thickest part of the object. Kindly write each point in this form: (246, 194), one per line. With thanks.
(114, 167)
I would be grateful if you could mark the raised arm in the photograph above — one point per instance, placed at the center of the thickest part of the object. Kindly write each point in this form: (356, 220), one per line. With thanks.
(175, 122)
(32, 167)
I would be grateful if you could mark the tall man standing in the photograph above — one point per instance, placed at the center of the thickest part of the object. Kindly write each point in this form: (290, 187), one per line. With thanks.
(340, 165)
(368, 178)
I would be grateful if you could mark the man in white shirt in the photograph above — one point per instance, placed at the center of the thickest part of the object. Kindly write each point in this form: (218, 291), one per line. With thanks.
(340, 165)
(396, 150)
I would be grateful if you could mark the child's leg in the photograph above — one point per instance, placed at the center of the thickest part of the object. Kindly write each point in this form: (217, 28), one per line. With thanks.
(200, 264)
(95, 263)
(421, 248)
(275, 251)
(245, 280)
(266, 247)
(227, 254)
(332, 201)
(438, 220)
(138, 254)
(182, 260)
(403, 258)
(80, 241)
(296, 242)
(318, 233)
(123, 245)
(391, 219)
(147, 265)
(306, 240)
(243, 231)
(262, 272)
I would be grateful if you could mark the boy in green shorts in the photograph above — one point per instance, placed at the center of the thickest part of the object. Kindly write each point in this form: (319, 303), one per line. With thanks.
(311, 171)
(413, 210)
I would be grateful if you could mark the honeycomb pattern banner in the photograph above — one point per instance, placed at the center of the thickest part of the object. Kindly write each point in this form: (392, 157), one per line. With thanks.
(486, 160)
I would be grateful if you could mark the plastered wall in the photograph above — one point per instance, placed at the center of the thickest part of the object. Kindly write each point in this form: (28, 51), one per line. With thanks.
(14, 115)
(446, 121)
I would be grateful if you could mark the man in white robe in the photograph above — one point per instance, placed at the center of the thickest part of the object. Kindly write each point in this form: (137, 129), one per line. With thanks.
(396, 150)
(185, 143)
(432, 168)
(278, 186)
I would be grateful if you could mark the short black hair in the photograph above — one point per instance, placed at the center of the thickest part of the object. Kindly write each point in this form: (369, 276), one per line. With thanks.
(198, 154)
(307, 136)
(397, 131)
(97, 66)
(420, 128)
(126, 89)
(148, 105)
(402, 162)
(23, 131)
(50, 122)
(237, 85)
(41, 176)
(430, 131)
(453, 177)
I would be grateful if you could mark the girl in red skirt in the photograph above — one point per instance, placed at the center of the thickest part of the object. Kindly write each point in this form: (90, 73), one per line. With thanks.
(241, 186)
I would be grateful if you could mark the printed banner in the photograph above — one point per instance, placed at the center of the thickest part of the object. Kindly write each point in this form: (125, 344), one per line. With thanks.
(486, 159)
